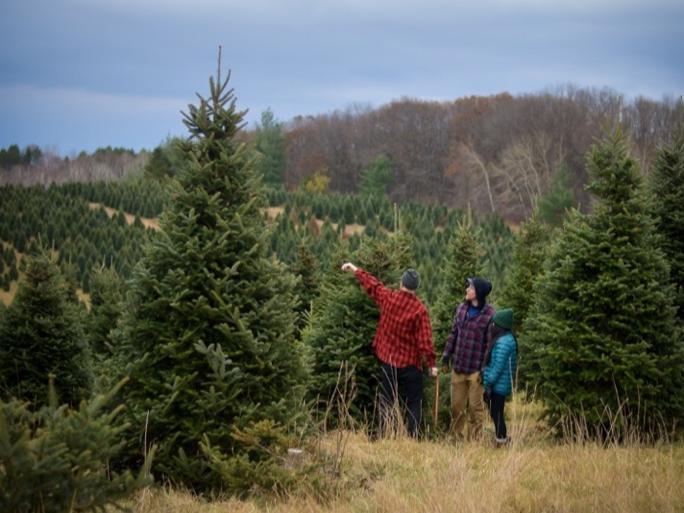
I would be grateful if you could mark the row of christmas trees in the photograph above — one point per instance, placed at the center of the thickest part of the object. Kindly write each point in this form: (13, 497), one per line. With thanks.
(85, 238)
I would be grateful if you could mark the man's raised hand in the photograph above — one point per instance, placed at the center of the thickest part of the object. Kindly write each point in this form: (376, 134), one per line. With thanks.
(349, 267)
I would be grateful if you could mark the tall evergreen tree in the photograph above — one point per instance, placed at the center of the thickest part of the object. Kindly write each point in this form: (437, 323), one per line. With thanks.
(209, 324)
(344, 321)
(376, 177)
(601, 331)
(270, 143)
(553, 205)
(306, 269)
(41, 334)
(10, 157)
(667, 187)
(463, 260)
(497, 244)
(159, 164)
(527, 260)
(106, 297)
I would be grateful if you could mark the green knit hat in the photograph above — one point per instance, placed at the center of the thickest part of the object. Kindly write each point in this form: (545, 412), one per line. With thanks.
(504, 318)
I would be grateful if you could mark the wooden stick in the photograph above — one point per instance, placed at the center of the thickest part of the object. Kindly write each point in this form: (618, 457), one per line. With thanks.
(436, 398)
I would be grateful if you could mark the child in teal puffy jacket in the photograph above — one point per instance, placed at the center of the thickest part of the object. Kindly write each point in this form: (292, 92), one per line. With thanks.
(499, 372)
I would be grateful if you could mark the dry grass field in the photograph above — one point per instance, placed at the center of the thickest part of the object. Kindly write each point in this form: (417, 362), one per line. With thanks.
(533, 474)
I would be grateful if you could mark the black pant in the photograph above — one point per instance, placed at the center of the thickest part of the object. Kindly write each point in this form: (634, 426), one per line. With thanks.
(406, 384)
(496, 410)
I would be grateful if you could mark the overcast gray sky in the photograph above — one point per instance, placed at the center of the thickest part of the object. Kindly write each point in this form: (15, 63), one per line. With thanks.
(78, 74)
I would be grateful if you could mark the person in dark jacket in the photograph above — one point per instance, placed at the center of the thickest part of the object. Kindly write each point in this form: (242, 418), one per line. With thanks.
(499, 372)
(465, 349)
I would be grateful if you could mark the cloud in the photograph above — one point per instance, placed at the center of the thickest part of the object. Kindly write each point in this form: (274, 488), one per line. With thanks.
(73, 119)
(302, 12)
(376, 5)
(116, 68)
(37, 99)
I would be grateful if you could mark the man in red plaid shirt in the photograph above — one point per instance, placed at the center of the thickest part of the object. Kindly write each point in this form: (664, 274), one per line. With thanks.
(402, 343)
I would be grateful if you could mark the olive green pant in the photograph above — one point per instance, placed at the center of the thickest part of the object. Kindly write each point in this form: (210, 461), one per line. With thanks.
(466, 399)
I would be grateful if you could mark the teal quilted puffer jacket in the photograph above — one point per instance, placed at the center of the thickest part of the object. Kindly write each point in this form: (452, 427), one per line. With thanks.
(500, 371)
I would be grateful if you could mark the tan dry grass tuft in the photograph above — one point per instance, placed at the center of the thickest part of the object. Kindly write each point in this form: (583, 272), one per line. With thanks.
(272, 213)
(7, 296)
(148, 222)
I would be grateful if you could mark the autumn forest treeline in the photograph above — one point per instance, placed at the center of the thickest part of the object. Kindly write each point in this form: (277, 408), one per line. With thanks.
(496, 154)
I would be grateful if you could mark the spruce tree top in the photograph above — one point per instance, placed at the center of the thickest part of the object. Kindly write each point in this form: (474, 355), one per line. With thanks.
(615, 175)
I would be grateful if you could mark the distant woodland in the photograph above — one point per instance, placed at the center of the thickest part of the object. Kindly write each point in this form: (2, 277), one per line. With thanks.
(494, 154)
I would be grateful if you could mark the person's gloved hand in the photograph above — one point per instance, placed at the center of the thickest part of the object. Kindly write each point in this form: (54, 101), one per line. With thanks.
(446, 361)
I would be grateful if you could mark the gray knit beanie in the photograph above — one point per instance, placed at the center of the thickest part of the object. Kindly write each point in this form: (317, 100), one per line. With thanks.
(410, 279)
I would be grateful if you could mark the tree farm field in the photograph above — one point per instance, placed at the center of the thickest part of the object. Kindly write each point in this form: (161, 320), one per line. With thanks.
(218, 344)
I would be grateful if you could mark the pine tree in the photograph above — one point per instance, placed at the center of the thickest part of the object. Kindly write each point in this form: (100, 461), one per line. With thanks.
(600, 333)
(106, 299)
(270, 143)
(41, 335)
(344, 322)
(497, 244)
(306, 269)
(57, 459)
(529, 251)
(527, 263)
(462, 261)
(552, 206)
(376, 177)
(209, 324)
(159, 165)
(667, 187)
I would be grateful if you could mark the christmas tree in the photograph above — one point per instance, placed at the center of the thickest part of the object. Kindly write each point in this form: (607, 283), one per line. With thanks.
(306, 270)
(552, 206)
(106, 297)
(41, 334)
(208, 334)
(667, 186)
(600, 333)
(270, 145)
(527, 261)
(343, 324)
(462, 261)
(57, 459)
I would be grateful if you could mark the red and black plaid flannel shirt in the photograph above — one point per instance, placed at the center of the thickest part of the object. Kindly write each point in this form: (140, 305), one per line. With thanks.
(404, 334)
